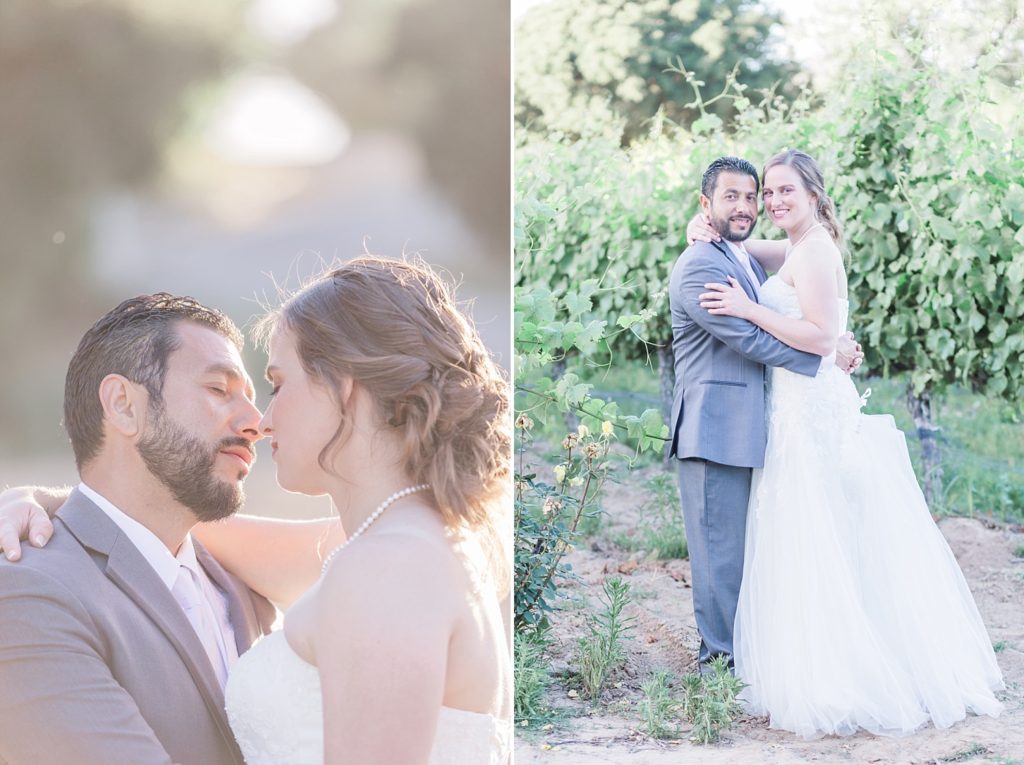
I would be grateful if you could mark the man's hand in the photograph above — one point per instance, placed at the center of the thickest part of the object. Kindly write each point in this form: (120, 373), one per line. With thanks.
(849, 355)
(23, 515)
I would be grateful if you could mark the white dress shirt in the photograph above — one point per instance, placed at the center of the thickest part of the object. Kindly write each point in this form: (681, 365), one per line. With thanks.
(202, 601)
(744, 258)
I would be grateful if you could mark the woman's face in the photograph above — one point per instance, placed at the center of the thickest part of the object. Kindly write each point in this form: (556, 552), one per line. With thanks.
(787, 203)
(301, 418)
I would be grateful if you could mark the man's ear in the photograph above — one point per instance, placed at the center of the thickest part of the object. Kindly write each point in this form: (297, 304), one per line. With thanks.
(705, 203)
(124, 404)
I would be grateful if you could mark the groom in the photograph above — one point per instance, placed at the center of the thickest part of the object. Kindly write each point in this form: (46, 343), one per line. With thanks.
(718, 414)
(115, 642)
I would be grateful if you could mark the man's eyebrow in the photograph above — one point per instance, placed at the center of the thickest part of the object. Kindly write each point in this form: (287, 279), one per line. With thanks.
(268, 372)
(224, 369)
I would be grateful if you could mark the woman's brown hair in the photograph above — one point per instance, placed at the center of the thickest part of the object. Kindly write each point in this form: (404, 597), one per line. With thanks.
(814, 182)
(394, 327)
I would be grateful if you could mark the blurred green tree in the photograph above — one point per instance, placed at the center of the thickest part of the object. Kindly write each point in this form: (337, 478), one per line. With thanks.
(581, 60)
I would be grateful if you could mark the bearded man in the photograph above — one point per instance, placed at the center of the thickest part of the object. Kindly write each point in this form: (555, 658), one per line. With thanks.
(116, 640)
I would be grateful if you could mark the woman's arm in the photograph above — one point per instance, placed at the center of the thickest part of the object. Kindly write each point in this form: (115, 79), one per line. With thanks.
(770, 253)
(814, 277)
(278, 559)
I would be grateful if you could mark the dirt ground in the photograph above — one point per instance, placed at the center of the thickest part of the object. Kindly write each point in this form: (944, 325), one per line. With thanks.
(665, 636)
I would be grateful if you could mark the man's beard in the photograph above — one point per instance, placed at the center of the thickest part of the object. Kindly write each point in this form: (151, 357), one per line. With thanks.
(185, 464)
(724, 227)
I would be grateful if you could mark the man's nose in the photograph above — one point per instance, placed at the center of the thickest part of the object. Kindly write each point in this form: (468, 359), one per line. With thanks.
(248, 423)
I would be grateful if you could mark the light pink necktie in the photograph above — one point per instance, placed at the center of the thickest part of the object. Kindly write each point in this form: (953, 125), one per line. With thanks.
(186, 591)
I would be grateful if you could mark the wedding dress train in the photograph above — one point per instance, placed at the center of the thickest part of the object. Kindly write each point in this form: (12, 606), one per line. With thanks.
(853, 612)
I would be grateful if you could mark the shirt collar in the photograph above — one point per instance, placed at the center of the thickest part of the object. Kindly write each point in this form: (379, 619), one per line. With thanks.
(737, 248)
(146, 542)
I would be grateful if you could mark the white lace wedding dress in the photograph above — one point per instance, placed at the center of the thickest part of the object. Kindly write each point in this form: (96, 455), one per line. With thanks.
(853, 612)
(274, 706)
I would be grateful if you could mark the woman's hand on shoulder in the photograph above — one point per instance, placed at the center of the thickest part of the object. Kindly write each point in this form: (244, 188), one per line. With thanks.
(25, 515)
(699, 229)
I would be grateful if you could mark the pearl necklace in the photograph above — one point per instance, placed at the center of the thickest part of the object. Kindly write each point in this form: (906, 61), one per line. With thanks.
(372, 517)
(804, 236)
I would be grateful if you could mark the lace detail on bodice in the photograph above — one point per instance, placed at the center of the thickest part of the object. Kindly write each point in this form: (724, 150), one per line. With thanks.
(827, 401)
(274, 705)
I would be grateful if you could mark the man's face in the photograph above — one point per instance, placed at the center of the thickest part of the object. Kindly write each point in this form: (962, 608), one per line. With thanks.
(199, 440)
(733, 206)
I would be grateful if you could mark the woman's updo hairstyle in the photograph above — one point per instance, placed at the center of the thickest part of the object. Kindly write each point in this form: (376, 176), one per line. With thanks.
(814, 182)
(393, 326)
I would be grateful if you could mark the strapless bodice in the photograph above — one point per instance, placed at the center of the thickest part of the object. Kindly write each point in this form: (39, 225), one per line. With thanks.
(782, 297)
(274, 706)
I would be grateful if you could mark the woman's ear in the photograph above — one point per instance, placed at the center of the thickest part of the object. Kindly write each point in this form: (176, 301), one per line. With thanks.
(124, 404)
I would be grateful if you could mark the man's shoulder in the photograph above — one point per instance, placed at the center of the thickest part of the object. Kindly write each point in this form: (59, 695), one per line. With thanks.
(699, 254)
(697, 257)
(58, 565)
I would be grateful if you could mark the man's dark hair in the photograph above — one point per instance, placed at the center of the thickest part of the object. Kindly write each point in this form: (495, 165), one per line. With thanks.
(135, 340)
(732, 164)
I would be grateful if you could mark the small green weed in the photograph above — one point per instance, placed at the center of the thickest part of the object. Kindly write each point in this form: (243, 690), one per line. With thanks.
(659, 529)
(710, 703)
(659, 710)
(532, 674)
(601, 653)
(974, 750)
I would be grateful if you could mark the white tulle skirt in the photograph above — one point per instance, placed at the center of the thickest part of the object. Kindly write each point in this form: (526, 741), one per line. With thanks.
(853, 613)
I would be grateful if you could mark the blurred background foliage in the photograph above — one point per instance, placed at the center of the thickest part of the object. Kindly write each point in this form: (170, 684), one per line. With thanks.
(220, 149)
(581, 60)
(911, 111)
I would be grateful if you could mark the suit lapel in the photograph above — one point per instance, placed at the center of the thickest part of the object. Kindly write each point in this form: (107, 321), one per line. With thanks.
(128, 569)
(744, 277)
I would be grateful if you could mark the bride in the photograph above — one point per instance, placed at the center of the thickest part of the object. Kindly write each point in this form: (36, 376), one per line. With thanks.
(853, 612)
(393, 647)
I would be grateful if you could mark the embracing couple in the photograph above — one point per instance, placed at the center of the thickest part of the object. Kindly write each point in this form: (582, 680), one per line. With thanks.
(140, 633)
(818, 572)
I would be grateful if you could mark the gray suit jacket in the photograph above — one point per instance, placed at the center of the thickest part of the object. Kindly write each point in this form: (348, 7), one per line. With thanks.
(718, 411)
(99, 664)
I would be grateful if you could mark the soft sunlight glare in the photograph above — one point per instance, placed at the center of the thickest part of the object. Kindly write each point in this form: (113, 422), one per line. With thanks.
(288, 21)
(273, 120)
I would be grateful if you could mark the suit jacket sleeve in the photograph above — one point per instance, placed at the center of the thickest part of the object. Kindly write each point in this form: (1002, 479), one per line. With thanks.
(742, 336)
(59, 702)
